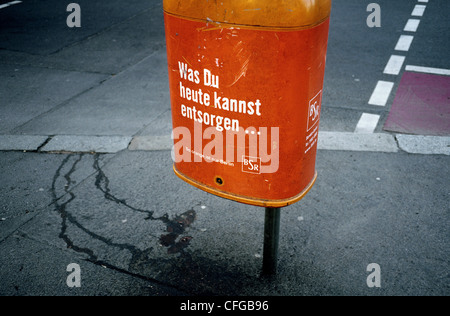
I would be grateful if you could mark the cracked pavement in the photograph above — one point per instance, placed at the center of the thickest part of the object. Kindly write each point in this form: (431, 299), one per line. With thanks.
(86, 172)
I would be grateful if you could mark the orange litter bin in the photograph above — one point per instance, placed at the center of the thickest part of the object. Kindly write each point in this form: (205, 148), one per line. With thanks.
(246, 85)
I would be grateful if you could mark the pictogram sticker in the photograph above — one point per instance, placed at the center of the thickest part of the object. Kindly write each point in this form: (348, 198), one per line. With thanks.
(314, 110)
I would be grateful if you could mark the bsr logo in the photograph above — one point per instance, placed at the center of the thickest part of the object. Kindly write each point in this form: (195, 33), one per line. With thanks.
(314, 110)
(256, 150)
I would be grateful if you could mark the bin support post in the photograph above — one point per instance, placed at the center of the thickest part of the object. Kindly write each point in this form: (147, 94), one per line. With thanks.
(271, 238)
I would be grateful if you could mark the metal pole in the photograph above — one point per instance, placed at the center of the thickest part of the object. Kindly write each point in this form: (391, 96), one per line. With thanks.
(271, 238)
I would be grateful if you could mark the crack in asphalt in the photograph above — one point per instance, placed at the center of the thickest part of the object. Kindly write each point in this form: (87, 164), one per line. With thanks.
(61, 208)
(175, 227)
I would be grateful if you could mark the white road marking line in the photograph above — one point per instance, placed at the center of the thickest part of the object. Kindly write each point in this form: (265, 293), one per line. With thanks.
(424, 1)
(2, 6)
(404, 43)
(419, 9)
(367, 123)
(381, 93)
(428, 70)
(412, 25)
(394, 65)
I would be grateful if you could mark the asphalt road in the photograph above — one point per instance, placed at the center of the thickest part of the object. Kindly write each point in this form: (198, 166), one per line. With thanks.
(86, 172)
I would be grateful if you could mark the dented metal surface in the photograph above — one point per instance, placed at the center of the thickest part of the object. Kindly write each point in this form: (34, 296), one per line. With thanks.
(246, 83)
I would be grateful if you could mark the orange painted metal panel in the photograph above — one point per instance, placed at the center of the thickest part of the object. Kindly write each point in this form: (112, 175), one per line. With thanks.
(246, 82)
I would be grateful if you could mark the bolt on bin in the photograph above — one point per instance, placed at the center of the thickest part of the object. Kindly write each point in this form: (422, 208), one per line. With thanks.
(246, 85)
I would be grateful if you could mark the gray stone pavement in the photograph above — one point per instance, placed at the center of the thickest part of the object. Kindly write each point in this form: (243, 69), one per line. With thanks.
(86, 178)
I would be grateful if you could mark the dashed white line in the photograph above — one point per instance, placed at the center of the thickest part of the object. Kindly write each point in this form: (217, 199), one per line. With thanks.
(394, 65)
(412, 25)
(419, 9)
(381, 93)
(429, 70)
(404, 43)
(367, 123)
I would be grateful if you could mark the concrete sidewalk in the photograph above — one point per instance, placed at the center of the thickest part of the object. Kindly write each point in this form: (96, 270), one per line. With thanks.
(86, 178)
(80, 98)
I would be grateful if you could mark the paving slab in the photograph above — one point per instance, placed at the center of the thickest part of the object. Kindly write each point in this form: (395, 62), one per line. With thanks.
(28, 92)
(121, 105)
(87, 144)
(357, 142)
(339, 141)
(418, 144)
(21, 142)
